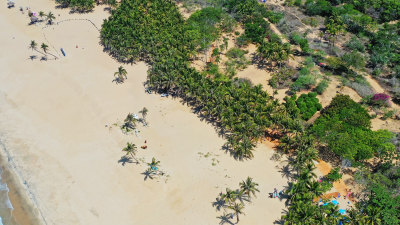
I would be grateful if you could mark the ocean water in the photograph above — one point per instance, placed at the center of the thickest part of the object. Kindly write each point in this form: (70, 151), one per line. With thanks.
(5, 204)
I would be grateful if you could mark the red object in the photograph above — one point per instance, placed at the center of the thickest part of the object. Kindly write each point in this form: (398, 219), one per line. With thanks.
(76, 46)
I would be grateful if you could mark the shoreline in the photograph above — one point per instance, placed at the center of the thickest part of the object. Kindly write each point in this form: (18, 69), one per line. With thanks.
(24, 212)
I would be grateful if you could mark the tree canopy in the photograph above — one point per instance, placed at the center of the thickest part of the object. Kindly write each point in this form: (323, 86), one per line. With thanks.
(345, 127)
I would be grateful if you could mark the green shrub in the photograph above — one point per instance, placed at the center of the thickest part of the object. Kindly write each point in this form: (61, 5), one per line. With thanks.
(282, 78)
(237, 60)
(334, 175)
(388, 114)
(291, 106)
(274, 17)
(297, 39)
(242, 40)
(355, 44)
(308, 105)
(322, 86)
(318, 7)
(312, 21)
(326, 186)
(306, 77)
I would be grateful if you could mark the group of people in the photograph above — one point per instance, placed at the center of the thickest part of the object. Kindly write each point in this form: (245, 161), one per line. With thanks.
(145, 145)
(275, 194)
(349, 193)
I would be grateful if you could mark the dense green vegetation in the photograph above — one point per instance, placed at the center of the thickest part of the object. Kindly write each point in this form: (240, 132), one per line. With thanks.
(345, 127)
(204, 25)
(307, 76)
(305, 106)
(308, 105)
(154, 31)
(79, 5)
(384, 201)
(237, 60)
(302, 210)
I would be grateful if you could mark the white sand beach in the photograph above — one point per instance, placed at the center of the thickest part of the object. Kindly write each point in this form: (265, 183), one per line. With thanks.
(53, 117)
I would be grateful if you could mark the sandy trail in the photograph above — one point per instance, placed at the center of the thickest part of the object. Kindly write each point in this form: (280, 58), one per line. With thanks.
(53, 119)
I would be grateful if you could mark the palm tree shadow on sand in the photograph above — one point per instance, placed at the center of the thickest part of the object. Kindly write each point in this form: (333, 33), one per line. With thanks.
(148, 174)
(219, 203)
(226, 219)
(125, 159)
(287, 172)
(281, 221)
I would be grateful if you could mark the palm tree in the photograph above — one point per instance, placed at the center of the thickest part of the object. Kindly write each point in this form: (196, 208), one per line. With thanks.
(237, 209)
(44, 47)
(249, 187)
(42, 14)
(154, 164)
(131, 150)
(144, 114)
(33, 45)
(230, 196)
(129, 122)
(121, 74)
(50, 17)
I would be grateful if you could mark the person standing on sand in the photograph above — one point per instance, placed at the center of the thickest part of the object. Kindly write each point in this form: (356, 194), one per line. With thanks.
(348, 194)
(275, 193)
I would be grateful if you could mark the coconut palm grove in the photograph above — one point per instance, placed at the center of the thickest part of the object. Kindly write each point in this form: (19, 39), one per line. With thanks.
(361, 38)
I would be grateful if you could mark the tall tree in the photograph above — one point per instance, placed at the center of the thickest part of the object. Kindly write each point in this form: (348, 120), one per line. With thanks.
(33, 45)
(50, 17)
(249, 187)
(131, 150)
(44, 47)
(121, 74)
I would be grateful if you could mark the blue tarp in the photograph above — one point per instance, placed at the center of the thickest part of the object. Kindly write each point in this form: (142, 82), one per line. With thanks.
(333, 202)
(342, 211)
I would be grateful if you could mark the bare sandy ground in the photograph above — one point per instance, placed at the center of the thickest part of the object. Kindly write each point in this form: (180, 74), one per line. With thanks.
(52, 120)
